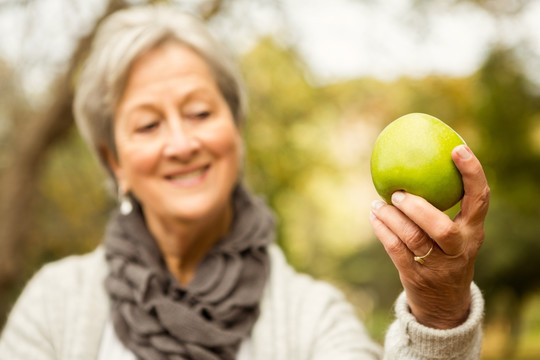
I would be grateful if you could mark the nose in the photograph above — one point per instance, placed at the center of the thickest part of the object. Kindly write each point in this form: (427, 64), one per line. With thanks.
(181, 143)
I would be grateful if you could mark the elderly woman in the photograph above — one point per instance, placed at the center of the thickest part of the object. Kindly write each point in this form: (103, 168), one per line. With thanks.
(188, 268)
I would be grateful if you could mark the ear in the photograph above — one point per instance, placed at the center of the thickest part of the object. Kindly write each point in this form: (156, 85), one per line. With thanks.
(114, 167)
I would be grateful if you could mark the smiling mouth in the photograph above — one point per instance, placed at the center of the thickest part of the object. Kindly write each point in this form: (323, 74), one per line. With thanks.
(190, 177)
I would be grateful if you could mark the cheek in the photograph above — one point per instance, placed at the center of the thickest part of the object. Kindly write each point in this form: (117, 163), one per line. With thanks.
(226, 143)
(138, 160)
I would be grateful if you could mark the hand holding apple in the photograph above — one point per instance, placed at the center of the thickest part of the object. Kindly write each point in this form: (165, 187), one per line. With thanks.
(438, 291)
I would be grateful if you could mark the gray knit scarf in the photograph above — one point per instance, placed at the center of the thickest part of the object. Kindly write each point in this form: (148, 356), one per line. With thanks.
(156, 318)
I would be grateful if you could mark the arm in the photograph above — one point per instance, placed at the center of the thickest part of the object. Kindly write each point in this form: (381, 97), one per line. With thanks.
(438, 292)
(61, 312)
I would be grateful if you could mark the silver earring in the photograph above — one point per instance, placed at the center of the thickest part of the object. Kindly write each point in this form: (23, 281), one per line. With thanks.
(125, 204)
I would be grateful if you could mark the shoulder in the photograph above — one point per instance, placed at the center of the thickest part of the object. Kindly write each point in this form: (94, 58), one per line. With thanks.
(72, 290)
(68, 284)
(63, 300)
(65, 280)
(73, 272)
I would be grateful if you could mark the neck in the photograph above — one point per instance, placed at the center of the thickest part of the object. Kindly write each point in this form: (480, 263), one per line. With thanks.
(184, 244)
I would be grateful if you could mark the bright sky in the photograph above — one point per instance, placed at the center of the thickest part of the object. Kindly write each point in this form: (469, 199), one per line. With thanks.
(348, 38)
(337, 39)
(377, 38)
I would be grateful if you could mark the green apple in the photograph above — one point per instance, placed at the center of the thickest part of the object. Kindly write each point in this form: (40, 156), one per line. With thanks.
(413, 153)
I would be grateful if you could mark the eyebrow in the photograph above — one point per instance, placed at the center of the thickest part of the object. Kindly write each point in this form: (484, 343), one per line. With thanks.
(145, 106)
(147, 102)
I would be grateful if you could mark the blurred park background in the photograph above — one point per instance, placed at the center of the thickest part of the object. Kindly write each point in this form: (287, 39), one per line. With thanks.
(324, 77)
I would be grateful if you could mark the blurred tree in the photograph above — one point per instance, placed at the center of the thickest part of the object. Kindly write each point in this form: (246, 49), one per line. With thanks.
(31, 138)
(32, 133)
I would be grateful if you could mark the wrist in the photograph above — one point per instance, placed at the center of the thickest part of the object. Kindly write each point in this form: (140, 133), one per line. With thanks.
(440, 321)
(463, 341)
(444, 313)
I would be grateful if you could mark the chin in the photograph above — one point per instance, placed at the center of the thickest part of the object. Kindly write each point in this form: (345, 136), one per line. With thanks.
(196, 209)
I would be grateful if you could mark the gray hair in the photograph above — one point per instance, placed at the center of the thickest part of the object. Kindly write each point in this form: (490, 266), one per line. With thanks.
(121, 39)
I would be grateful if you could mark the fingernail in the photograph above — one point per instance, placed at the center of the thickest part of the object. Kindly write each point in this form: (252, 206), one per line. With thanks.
(372, 215)
(463, 153)
(397, 197)
(377, 204)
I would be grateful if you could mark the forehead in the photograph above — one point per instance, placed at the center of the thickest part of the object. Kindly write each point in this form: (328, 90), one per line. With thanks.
(170, 59)
(170, 63)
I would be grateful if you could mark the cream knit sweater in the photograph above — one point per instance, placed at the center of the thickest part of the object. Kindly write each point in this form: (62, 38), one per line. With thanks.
(63, 312)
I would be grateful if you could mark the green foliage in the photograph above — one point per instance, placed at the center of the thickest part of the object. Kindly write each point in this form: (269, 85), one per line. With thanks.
(73, 207)
(287, 139)
(507, 109)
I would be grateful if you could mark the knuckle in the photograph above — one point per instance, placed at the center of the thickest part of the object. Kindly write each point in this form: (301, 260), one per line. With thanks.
(477, 238)
(482, 198)
(479, 244)
(393, 248)
(475, 172)
(476, 168)
(481, 234)
(447, 231)
(485, 194)
(413, 235)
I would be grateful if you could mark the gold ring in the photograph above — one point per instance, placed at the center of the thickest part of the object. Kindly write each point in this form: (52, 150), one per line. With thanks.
(420, 259)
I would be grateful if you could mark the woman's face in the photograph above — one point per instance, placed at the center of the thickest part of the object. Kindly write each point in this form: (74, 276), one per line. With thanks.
(178, 146)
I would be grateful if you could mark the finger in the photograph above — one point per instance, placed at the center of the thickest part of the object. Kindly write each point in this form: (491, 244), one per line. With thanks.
(396, 249)
(435, 223)
(475, 201)
(413, 237)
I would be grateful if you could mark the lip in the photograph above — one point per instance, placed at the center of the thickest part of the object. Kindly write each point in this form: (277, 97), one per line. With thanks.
(189, 176)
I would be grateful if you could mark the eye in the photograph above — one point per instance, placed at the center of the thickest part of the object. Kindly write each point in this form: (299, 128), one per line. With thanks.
(201, 115)
(196, 110)
(147, 126)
